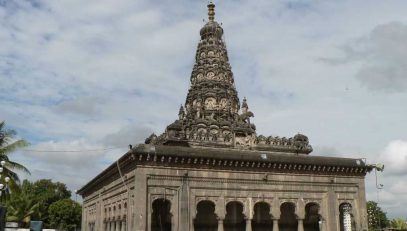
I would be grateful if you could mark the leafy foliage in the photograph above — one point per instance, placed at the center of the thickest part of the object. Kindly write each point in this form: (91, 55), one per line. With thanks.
(20, 208)
(376, 217)
(45, 192)
(65, 214)
(398, 223)
(7, 146)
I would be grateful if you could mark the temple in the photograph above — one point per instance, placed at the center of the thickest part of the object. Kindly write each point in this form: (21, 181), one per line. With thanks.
(211, 171)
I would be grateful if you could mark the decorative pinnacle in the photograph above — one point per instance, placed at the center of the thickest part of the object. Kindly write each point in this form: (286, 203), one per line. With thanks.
(211, 11)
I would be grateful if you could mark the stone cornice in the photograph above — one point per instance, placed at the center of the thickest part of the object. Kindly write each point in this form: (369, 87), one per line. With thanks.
(231, 160)
(200, 158)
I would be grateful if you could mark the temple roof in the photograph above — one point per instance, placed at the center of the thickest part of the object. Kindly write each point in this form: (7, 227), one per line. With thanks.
(229, 159)
(214, 131)
(212, 115)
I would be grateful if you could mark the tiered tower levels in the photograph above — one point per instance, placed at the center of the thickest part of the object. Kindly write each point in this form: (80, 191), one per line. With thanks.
(211, 115)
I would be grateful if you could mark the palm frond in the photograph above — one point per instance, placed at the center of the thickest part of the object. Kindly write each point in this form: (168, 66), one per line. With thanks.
(13, 147)
(14, 165)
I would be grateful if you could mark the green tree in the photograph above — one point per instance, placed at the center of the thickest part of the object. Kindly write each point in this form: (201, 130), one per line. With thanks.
(45, 192)
(398, 223)
(8, 145)
(65, 214)
(377, 219)
(20, 209)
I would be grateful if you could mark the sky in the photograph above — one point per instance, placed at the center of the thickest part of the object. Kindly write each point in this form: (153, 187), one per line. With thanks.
(83, 80)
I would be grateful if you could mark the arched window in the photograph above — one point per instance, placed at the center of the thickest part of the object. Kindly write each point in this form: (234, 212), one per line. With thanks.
(261, 217)
(346, 220)
(234, 219)
(161, 216)
(312, 217)
(288, 219)
(206, 219)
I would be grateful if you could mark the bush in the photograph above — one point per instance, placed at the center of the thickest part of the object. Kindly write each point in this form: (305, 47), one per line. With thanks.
(65, 214)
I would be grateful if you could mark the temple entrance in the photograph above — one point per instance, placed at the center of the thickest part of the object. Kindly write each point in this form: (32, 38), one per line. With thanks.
(206, 219)
(161, 216)
(234, 219)
(288, 220)
(312, 217)
(261, 217)
(346, 220)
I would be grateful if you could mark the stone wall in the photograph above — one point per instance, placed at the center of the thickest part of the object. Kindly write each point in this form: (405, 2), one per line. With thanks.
(112, 207)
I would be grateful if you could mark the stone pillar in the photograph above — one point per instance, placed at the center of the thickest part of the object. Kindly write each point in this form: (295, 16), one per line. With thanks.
(123, 226)
(220, 224)
(300, 224)
(183, 224)
(138, 207)
(248, 224)
(275, 224)
(332, 212)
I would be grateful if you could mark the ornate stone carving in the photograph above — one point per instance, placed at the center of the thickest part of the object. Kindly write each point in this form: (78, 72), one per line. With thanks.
(212, 99)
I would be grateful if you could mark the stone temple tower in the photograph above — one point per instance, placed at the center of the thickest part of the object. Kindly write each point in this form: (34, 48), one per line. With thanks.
(210, 171)
(212, 115)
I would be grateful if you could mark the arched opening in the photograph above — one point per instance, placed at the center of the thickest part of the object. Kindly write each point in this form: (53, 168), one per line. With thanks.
(346, 220)
(234, 219)
(288, 219)
(312, 217)
(261, 217)
(206, 219)
(161, 216)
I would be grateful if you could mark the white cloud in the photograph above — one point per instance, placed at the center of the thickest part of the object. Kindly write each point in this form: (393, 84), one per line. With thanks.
(382, 54)
(395, 157)
(128, 135)
(72, 162)
(66, 152)
(399, 188)
(107, 73)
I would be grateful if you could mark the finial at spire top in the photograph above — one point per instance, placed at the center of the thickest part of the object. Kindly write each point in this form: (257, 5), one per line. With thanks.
(211, 11)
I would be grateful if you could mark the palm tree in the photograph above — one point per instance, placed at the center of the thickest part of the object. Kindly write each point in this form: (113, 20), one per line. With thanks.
(20, 209)
(398, 223)
(7, 146)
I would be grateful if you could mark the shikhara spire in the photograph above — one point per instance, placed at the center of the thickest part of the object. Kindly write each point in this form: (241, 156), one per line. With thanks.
(211, 11)
(211, 115)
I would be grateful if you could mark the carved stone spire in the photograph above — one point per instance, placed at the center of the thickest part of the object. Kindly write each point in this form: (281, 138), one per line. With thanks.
(211, 11)
(210, 116)
(245, 107)
(181, 113)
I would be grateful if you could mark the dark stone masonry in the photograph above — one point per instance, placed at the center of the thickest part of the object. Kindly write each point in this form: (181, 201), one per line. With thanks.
(211, 171)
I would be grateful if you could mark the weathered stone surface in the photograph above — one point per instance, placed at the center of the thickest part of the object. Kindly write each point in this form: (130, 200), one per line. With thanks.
(209, 170)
